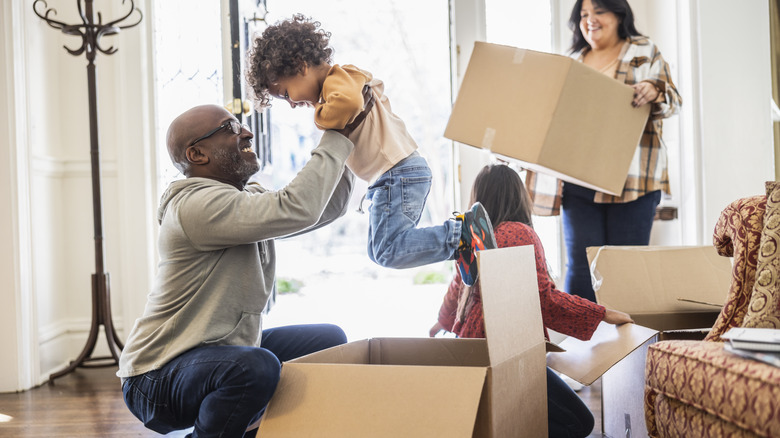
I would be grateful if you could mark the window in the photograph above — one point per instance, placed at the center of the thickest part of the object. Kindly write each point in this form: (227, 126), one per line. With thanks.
(528, 25)
(405, 43)
(188, 68)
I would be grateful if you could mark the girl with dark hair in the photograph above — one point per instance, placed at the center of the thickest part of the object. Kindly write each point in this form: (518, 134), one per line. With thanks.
(606, 39)
(502, 193)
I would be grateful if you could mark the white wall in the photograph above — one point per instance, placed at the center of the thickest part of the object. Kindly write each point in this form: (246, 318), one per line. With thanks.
(468, 17)
(48, 283)
(16, 323)
(721, 144)
(734, 91)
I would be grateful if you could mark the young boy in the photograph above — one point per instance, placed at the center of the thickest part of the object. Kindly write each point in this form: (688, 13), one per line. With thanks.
(291, 60)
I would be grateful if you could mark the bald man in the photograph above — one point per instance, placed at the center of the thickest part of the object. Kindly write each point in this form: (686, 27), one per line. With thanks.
(198, 357)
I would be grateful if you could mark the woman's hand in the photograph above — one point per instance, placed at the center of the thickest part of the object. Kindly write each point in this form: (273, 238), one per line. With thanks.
(644, 92)
(435, 329)
(617, 317)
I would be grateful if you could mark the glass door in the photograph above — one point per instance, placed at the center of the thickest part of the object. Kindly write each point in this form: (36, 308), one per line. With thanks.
(328, 274)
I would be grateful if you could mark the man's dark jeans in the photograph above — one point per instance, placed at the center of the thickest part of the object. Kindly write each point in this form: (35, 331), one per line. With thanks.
(221, 389)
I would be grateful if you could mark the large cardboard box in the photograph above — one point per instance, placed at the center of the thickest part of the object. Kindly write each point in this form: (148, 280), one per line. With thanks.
(556, 115)
(429, 387)
(665, 288)
(676, 291)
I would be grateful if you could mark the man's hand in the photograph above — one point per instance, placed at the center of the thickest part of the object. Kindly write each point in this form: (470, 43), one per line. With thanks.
(368, 103)
(617, 317)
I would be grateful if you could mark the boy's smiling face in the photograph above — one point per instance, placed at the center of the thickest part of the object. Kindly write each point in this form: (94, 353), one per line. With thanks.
(303, 89)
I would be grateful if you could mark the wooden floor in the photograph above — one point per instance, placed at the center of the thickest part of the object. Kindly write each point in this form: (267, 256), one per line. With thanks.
(88, 403)
(591, 395)
(84, 403)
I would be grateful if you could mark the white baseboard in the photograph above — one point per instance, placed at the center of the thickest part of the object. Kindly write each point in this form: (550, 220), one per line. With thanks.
(62, 342)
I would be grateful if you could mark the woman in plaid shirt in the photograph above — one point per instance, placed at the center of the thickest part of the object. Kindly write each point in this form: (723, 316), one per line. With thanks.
(606, 39)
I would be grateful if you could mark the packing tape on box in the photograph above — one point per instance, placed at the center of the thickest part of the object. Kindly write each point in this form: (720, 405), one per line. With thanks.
(519, 55)
(595, 277)
(488, 137)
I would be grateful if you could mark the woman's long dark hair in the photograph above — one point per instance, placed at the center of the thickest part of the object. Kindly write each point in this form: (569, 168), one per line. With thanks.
(620, 8)
(501, 191)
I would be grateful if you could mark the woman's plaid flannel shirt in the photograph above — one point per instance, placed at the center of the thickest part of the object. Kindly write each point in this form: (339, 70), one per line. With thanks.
(640, 60)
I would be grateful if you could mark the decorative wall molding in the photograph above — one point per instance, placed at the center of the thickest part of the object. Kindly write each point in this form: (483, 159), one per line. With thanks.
(70, 326)
(53, 167)
(60, 342)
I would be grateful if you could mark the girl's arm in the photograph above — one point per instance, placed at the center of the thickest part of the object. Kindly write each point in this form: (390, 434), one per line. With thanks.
(449, 306)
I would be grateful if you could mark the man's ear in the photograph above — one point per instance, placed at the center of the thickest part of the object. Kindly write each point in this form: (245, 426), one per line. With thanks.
(196, 156)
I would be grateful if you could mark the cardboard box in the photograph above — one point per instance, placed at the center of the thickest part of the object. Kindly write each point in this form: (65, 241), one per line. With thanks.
(676, 291)
(556, 115)
(425, 387)
(586, 361)
(664, 288)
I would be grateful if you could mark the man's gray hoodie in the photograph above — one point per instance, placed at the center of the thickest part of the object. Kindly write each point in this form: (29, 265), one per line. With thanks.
(217, 258)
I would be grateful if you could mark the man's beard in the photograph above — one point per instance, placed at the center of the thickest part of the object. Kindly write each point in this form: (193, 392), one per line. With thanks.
(231, 163)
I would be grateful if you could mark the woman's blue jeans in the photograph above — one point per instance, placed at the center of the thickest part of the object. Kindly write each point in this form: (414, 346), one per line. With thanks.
(567, 414)
(586, 223)
(220, 390)
(397, 201)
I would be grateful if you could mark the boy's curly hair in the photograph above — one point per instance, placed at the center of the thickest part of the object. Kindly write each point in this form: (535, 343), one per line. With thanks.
(282, 51)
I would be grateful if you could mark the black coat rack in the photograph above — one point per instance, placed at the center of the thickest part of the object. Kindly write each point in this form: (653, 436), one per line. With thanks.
(91, 33)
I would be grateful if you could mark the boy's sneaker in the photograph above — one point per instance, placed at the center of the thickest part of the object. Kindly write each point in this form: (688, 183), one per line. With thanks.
(476, 234)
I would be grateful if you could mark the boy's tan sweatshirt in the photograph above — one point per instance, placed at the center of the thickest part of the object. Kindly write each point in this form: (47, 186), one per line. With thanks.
(382, 140)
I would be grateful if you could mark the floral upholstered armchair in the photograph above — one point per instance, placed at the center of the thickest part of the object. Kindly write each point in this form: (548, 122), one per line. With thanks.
(696, 388)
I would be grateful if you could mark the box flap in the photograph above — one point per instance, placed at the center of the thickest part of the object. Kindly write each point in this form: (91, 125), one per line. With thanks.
(652, 279)
(586, 361)
(552, 347)
(337, 401)
(554, 173)
(518, 388)
(354, 352)
(427, 351)
(677, 320)
(510, 301)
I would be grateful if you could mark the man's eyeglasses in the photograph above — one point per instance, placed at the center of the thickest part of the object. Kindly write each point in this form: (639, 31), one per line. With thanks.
(234, 126)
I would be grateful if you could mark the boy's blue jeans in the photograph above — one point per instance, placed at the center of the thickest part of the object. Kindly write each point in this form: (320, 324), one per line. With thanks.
(221, 389)
(397, 201)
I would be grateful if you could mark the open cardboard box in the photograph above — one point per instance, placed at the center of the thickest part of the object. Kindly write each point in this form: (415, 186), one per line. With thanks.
(675, 292)
(552, 113)
(426, 387)
(661, 287)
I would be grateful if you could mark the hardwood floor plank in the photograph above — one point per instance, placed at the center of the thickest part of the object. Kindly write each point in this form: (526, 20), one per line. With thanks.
(86, 403)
